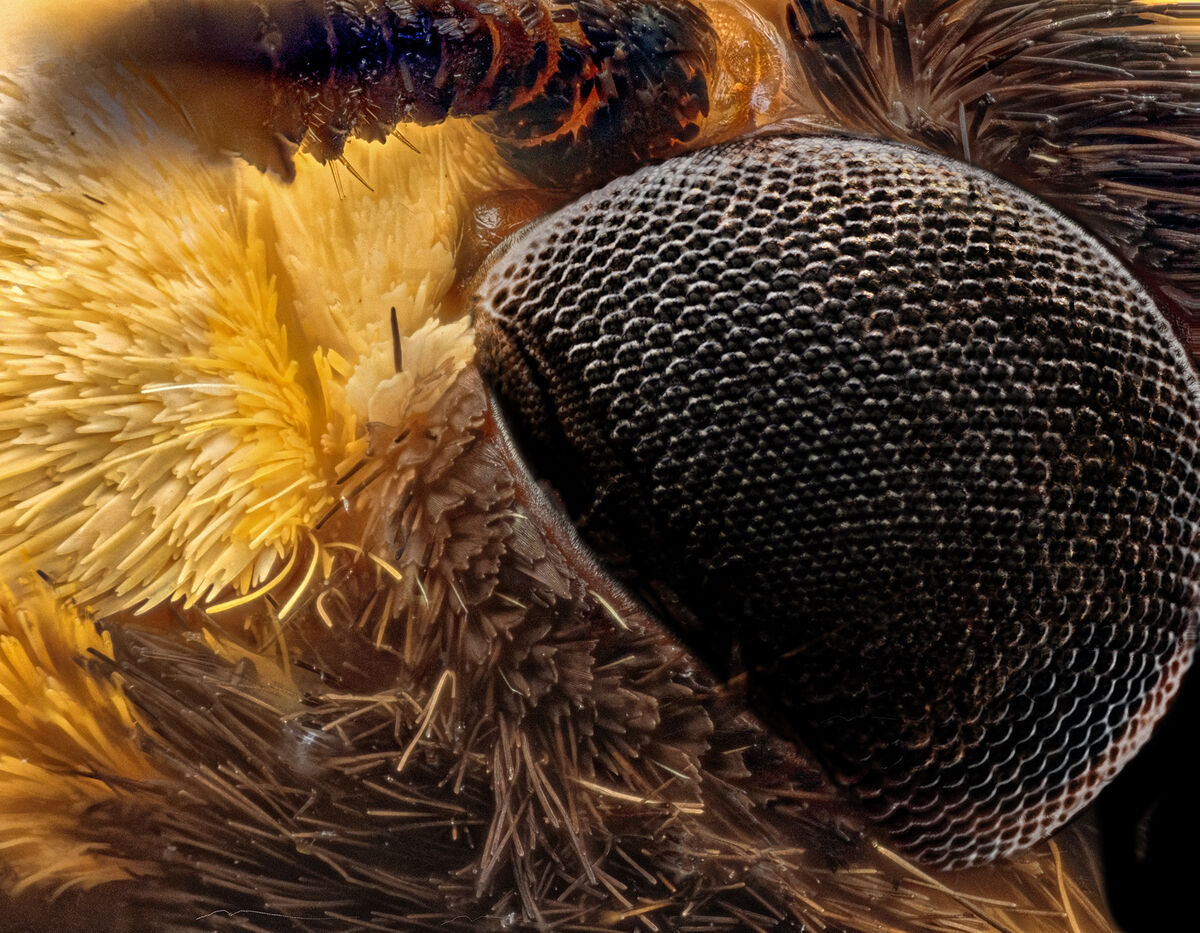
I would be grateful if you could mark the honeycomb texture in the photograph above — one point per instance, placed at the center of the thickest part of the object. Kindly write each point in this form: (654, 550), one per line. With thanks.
(892, 437)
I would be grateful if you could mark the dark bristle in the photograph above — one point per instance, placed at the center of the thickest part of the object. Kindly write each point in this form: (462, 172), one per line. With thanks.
(1092, 105)
(397, 356)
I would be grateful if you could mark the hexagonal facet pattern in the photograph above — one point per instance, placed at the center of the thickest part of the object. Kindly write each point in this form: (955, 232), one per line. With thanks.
(892, 436)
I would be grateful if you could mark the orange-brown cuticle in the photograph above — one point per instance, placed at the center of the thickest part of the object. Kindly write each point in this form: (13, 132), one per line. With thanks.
(558, 82)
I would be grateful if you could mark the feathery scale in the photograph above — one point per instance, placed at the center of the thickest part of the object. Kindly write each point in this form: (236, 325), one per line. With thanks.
(183, 384)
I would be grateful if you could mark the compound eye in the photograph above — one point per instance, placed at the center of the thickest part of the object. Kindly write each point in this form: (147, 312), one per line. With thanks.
(903, 444)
